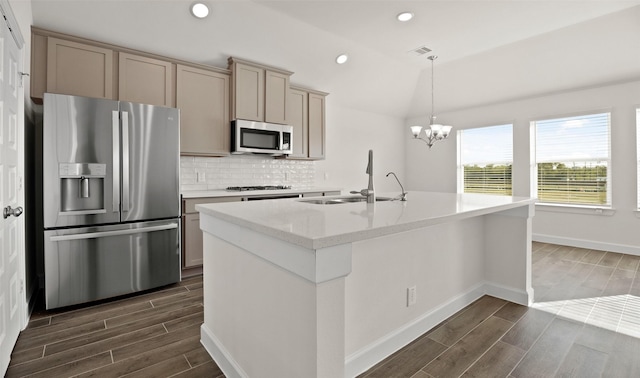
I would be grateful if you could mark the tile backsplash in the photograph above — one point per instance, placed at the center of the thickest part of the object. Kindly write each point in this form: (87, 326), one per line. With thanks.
(207, 173)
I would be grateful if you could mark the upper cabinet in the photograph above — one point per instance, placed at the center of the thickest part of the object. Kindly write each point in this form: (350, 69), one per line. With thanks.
(247, 92)
(77, 69)
(299, 119)
(317, 125)
(307, 116)
(276, 97)
(208, 97)
(145, 80)
(203, 99)
(258, 92)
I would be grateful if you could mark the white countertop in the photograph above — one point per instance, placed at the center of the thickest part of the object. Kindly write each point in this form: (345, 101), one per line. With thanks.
(251, 193)
(316, 226)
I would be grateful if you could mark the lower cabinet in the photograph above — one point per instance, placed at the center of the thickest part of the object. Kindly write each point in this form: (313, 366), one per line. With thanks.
(192, 242)
(191, 232)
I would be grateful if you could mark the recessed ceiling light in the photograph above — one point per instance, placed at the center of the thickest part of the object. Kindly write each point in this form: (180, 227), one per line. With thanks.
(342, 58)
(405, 16)
(199, 10)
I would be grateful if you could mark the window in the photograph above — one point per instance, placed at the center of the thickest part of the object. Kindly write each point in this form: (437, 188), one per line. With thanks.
(572, 160)
(485, 160)
(638, 152)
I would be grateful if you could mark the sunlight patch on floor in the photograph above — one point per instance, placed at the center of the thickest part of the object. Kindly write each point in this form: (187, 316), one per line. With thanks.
(618, 313)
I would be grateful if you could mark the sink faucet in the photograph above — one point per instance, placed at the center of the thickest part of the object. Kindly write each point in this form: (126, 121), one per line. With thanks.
(403, 196)
(369, 192)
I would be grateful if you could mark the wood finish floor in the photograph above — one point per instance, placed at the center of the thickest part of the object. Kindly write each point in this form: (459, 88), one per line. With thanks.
(156, 334)
(585, 323)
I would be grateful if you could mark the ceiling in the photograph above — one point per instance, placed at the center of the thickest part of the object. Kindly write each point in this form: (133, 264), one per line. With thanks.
(489, 51)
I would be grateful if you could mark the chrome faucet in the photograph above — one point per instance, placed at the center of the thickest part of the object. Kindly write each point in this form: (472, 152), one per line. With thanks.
(369, 192)
(403, 196)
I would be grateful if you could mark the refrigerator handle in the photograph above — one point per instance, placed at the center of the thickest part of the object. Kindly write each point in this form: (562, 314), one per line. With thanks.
(125, 161)
(102, 234)
(115, 125)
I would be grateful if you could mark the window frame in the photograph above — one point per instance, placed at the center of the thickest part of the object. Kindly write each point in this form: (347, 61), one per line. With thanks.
(578, 208)
(460, 167)
(637, 111)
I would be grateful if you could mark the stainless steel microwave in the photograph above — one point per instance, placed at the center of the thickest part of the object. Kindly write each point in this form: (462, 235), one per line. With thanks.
(261, 138)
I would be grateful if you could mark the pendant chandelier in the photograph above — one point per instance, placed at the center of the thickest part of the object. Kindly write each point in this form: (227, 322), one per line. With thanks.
(436, 131)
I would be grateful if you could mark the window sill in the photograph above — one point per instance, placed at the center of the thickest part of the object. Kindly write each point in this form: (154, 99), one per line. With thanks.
(577, 209)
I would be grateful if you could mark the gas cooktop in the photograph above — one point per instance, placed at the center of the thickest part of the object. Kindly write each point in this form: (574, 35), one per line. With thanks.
(258, 187)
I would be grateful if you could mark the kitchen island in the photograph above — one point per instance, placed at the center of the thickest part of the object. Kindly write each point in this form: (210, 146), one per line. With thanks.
(301, 289)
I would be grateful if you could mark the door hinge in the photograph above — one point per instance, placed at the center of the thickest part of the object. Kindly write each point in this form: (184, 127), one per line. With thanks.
(21, 286)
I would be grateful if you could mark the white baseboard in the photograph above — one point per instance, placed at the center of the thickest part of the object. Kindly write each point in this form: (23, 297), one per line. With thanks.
(524, 298)
(367, 357)
(217, 351)
(589, 244)
(30, 303)
(375, 352)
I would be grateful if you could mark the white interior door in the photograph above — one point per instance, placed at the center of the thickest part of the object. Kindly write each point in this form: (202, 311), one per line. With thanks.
(11, 194)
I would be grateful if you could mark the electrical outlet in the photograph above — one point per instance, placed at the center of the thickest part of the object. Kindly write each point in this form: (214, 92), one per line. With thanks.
(200, 176)
(326, 176)
(286, 176)
(411, 296)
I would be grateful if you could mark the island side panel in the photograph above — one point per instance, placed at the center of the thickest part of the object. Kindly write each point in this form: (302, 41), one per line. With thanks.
(263, 321)
(508, 254)
(445, 263)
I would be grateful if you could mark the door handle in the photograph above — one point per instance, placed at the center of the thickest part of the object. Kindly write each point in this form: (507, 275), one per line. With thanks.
(102, 234)
(115, 125)
(125, 161)
(8, 211)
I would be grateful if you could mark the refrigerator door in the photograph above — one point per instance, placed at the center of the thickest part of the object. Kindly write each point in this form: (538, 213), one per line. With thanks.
(150, 162)
(92, 263)
(80, 162)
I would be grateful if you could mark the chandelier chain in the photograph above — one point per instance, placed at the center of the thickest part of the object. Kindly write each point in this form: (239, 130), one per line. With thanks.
(433, 106)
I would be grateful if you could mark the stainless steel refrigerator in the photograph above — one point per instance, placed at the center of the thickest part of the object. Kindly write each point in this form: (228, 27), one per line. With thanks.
(111, 202)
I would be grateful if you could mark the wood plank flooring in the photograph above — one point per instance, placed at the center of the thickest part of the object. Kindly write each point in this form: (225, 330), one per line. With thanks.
(155, 334)
(585, 323)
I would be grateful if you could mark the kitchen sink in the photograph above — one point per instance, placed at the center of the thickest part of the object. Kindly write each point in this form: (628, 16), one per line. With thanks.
(337, 200)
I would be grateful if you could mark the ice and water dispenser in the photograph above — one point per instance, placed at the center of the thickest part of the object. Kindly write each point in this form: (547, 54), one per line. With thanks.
(82, 187)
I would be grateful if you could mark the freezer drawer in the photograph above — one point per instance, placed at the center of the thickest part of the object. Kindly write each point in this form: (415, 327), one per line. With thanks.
(92, 263)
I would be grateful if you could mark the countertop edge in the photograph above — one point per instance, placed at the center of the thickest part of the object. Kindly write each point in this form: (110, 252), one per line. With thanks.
(354, 236)
(190, 194)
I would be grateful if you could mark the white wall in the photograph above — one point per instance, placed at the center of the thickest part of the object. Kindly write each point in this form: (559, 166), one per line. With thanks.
(351, 134)
(435, 170)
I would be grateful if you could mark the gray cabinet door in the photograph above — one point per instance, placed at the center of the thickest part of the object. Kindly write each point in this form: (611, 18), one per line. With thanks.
(203, 100)
(248, 93)
(145, 80)
(192, 242)
(299, 120)
(77, 69)
(316, 126)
